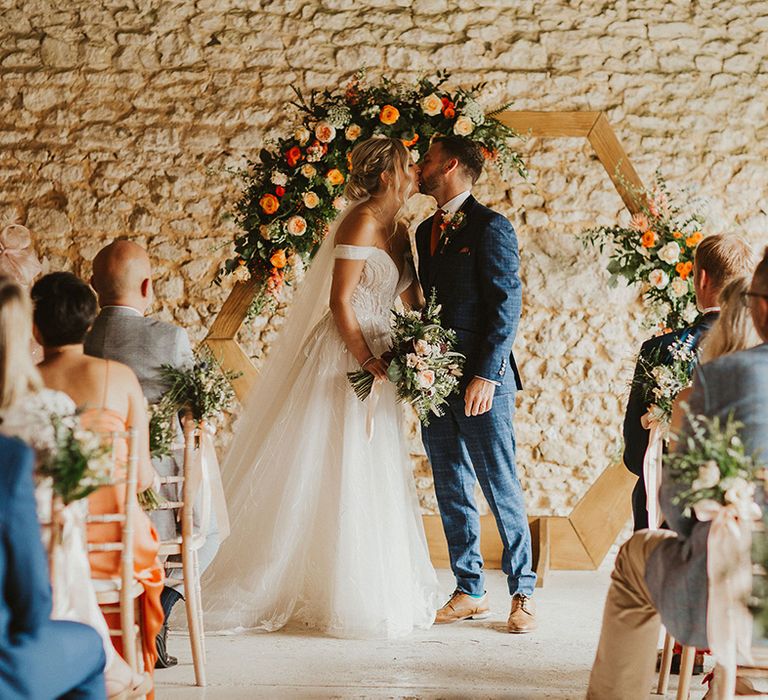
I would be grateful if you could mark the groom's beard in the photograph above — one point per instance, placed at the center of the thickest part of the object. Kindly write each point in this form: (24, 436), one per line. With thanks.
(429, 185)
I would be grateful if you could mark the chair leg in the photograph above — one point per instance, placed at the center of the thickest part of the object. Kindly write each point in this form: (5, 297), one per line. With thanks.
(665, 667)
(192, 605)
(686, 672)
(199, 596)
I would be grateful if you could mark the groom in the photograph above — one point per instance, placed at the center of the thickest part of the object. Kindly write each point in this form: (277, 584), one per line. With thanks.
(468, 255)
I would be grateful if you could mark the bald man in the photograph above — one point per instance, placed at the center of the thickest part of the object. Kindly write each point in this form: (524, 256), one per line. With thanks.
(122, 278)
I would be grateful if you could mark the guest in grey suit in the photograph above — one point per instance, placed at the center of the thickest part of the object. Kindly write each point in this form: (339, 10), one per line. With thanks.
(661, 576)
(122, 278)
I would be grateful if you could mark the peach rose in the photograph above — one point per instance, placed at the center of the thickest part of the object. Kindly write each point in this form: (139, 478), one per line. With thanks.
(463, 126)
(432, 105)
(335, 176)
(324, 132)
(311, 200)
(425, 378)
(296, 226)
(278, 259)
(353, 132)
(308, 171)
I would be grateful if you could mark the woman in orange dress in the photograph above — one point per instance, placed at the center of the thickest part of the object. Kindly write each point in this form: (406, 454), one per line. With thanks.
(111, 399)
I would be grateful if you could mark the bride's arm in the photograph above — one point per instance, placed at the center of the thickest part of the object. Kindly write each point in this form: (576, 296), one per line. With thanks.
(346, 276)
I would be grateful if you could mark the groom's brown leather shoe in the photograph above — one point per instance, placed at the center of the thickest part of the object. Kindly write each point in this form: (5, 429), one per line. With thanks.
(522, 616)
(462, 606)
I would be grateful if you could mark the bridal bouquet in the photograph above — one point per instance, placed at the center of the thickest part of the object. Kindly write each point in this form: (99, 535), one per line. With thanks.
(661, 383)
(425, 367)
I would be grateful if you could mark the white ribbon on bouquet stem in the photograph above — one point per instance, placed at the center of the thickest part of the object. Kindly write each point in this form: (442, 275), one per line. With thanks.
(373, 401)
(658, 429)
(729, 581)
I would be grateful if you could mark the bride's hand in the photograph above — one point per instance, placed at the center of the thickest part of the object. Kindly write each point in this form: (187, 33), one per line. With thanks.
(377, 367)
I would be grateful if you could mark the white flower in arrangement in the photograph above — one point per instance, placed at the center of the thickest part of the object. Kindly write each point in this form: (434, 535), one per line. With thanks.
(308, 171)
(737, 490)
(670, 253)
(474, 111)
(709, 476)
(425, 378)
(301, 134)
(325, 132)
(463, 126)
(415, 155)
(678, 288)
(241, 273)
(339, 116)
(339, 203)
(296, 225)
(311, 200)
(315, 152)
(279, 179)
(658, 279)
(422, 347)
(353, 132)
(690, 313)
(411, 359)
(431, 105)
(265, 232)
(645, 252)
(372, 111)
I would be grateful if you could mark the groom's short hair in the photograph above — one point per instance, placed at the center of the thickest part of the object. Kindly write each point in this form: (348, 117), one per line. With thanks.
(725, 256)
(467, 152)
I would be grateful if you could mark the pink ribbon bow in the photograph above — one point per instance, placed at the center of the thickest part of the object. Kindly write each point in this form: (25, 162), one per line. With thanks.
(17, 258)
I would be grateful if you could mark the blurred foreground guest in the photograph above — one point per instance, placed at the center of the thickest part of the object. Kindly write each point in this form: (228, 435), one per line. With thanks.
(122, 278)
(110, 398)
(661, 576)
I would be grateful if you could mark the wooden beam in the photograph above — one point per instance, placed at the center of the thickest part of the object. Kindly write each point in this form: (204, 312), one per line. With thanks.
(549, 124)
(233, 311)
(615, 161)
(233, 357)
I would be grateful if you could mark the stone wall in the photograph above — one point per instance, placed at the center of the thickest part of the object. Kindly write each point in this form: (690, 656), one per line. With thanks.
(121, 117)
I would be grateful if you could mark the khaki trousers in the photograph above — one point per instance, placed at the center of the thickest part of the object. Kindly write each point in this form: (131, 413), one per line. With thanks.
(626, 655)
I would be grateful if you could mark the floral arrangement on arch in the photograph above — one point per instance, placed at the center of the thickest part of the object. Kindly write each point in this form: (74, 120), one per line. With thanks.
(295, 188)
(656, 250)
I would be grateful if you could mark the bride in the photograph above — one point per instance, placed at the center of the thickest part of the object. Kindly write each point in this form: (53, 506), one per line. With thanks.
(327, 529)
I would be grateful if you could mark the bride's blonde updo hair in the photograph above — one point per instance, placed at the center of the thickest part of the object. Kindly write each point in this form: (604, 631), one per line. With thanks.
(369, 159)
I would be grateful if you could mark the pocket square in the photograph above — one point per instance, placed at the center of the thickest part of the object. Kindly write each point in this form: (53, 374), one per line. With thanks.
(465, 251)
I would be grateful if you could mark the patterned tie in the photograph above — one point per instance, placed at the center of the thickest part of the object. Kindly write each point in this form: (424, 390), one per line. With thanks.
(434, 241)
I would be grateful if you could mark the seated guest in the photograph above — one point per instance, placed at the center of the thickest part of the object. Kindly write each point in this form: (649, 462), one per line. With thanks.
(22, 396)
(661, 576)
(122, 278)
(39, 657)
(718, 259)
(110, 398)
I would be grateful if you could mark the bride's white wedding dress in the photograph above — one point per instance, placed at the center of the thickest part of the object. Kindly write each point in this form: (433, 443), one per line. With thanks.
(326, 527)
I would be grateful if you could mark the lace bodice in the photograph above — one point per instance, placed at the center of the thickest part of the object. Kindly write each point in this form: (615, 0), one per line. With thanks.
(380, 285)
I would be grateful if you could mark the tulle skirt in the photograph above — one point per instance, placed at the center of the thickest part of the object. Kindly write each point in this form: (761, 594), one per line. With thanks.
(326, 528)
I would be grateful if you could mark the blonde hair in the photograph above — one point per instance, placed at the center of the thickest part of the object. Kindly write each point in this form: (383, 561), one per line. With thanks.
(369, 159)
(733, 330)
(724, 256)
(18, 375)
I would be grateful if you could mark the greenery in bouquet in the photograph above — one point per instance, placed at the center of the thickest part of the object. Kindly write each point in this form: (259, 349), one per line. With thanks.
(204, 387)
(77, 461)
(661, 382)
(712, 464)
(425, 368)
(656, 250)
(161, 427)
(294, 188)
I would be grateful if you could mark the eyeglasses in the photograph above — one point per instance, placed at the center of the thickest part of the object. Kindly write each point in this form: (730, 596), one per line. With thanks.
(747, 295)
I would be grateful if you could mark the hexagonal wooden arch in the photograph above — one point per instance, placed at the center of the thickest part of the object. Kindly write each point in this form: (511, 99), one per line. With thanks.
(581, 540)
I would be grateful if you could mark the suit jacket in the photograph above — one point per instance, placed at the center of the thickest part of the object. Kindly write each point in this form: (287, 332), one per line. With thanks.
(635, 436)
(143, 343)
(475, 274)
(676, 573)
(25, 607)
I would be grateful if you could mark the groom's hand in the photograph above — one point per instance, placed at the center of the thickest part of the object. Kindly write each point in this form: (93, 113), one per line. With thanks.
(478, 398)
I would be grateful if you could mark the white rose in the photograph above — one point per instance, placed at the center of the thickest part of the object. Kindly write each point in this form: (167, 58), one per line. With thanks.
(658, 279)
(463, 126)
(324, 132)
(308, 171)
(311, 200)
(690, 313)
(296, 225)
(739, 491)
(421, 347)
(709, 476)
(670, 253)
(280, 179)
(432, 105)
(301, 135)
(678, 288)
(353, 132)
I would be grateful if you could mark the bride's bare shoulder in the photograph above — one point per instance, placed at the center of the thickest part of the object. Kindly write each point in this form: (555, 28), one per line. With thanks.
(359, 227)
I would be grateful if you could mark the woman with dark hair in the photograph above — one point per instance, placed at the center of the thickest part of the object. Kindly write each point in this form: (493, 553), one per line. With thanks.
(111, 400)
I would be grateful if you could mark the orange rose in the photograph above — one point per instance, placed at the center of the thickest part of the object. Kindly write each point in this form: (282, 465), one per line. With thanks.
(278, 259)
(449, 112)
(389, 114)
(410, 142)
(694, 239)
(677, 234)
(269, 203)
(293, 156)
(334, 176)
(649, 239)
(684, 269)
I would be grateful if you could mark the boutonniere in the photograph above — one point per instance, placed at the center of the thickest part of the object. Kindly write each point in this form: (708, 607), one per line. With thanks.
(451, 224)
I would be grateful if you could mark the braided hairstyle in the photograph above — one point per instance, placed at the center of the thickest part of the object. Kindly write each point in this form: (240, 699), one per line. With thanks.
(371, 158)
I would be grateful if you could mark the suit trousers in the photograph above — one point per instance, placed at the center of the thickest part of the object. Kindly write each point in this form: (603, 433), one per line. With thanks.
(464, 451)
(626, 654)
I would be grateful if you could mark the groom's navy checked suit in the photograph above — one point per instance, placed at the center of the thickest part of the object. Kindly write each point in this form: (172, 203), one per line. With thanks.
(475, 275)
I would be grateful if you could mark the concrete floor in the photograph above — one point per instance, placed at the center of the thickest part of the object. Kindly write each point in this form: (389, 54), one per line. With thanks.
(465, 660)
